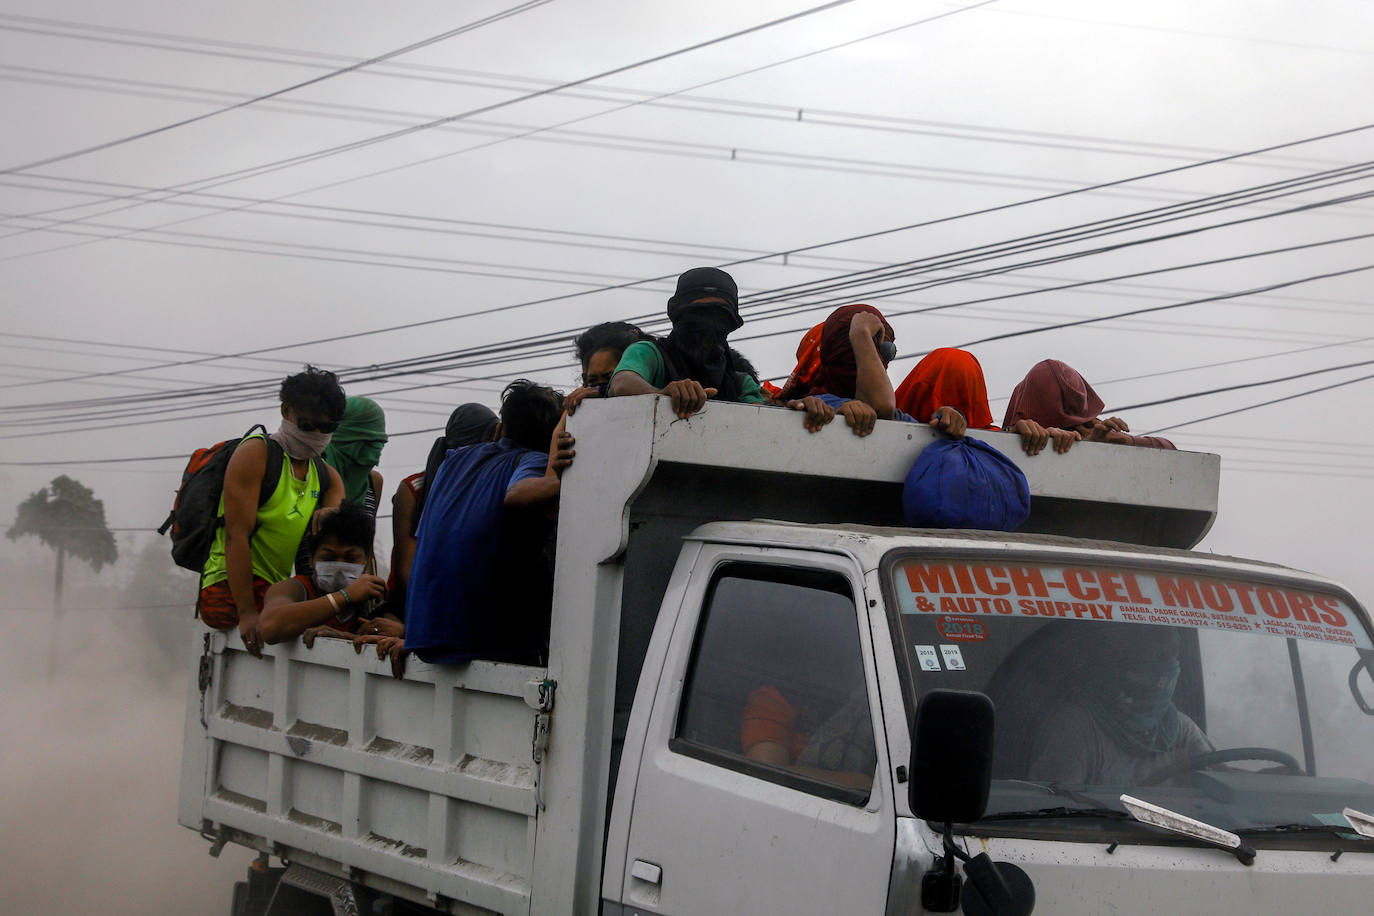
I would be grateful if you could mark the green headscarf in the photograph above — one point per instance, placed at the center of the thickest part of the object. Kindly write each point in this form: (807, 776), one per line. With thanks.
(357, 445)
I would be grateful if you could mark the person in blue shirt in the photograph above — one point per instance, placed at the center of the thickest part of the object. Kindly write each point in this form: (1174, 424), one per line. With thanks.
(481, 584)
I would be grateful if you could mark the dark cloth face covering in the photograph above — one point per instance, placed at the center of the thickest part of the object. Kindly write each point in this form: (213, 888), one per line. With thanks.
(697, 348)
(469, 424)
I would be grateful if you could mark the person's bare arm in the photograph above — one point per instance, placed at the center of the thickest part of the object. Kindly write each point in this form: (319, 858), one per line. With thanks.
(375, 476)
(687, 396)
(286, 615)
(242, 485)
(334, 497)
(872, 386)
(403, 542)
(535, 490)
(626, 382)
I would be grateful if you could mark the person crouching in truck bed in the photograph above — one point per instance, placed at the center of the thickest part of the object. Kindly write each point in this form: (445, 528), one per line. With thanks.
(694, 363)
(330, 596)
(481, 585)
(257, 544)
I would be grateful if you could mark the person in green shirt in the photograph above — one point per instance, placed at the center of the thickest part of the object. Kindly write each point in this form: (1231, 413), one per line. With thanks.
(694, 363)
(257, 544)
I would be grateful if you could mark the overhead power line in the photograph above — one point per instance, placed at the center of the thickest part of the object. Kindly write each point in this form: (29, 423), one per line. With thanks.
(1239, 387)
(1160, 308)
(352, 146)
(751, 259)
(151, 132)
(1291, 397)
(260, 53)
(555, 343)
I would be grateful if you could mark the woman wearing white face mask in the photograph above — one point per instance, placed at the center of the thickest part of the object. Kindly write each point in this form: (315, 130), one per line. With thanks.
(338, 588)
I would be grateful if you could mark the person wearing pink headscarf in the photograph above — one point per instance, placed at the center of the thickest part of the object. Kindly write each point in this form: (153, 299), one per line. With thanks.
(1054, 394)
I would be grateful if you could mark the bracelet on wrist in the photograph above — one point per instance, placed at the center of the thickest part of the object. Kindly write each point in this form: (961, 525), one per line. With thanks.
(333, 602)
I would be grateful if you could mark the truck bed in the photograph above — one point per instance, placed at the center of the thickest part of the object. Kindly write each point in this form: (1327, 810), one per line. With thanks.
(422, 787)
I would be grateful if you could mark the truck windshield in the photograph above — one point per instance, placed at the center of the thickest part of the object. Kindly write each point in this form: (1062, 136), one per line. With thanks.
(1244, 702)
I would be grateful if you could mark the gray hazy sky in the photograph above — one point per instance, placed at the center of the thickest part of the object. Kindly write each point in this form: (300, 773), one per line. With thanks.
(1011, 101)
(1003, 103)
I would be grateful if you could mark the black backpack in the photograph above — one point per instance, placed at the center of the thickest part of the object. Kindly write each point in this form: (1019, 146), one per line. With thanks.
(195, 517)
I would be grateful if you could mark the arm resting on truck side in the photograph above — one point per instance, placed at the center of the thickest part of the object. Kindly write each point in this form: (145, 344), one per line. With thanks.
(536, 490)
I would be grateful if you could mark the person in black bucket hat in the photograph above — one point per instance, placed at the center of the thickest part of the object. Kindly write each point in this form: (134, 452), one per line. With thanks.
(694, 363)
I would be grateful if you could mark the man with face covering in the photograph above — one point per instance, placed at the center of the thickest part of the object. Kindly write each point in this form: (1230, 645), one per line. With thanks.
(1120, 727)
(337, 587)
(694, 363)
(257, 543)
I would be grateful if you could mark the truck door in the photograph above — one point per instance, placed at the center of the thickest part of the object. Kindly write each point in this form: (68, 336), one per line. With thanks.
(762, 784)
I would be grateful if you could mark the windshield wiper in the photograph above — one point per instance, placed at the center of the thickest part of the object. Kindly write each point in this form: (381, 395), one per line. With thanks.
(1363, 823)
(1285, 829)
(1059, 812)
(1172, 821)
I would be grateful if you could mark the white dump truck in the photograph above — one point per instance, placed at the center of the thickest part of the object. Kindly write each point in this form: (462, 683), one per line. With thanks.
(765, 695)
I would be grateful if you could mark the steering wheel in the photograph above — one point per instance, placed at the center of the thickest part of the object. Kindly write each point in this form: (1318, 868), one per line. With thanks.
(1225, 755)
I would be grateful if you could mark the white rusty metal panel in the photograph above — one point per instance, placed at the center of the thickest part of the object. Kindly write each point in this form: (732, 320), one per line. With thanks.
(426, 783)
(735, 461)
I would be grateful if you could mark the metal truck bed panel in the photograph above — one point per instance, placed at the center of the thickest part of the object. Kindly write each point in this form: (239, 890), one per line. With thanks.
(426, 784)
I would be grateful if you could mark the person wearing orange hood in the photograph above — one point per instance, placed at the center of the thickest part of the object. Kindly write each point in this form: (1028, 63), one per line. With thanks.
(856, 343)
(1054, 394)
(950, 376)
(808, 362)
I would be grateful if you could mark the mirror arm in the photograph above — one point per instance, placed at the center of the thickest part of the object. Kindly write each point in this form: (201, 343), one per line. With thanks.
(1362, 664)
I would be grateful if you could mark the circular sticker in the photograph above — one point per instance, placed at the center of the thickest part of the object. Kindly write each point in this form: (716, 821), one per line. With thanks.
(962, 629)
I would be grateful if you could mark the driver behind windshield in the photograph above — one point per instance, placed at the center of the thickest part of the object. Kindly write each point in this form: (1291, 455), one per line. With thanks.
(1121, 726)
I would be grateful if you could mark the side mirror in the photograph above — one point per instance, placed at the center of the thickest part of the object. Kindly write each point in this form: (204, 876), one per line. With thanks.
(951, 756)
(951, 772)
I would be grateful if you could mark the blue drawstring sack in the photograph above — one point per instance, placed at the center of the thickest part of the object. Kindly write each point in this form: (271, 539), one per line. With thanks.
(965, 483)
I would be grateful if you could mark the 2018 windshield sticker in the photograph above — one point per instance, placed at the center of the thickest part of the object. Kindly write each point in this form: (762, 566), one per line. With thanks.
(963, 591)
(962, 629)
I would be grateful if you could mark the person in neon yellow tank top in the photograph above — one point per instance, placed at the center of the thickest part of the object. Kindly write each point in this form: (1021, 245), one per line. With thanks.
(257, 544)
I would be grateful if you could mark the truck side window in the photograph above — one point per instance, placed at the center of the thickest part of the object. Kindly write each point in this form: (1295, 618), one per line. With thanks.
(775, 687)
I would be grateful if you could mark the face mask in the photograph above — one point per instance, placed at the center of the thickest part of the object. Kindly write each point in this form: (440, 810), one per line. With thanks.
(1144, 694)
(331, 576)
(887, 351)
(713, 323)
(300, 444)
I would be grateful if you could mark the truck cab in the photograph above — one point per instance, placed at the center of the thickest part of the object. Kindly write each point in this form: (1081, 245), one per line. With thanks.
(743, 639)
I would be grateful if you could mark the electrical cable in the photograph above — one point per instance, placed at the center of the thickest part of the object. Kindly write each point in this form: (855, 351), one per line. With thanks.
(799, 250)
(1237, 387)
(1291, 397)
(490, 80)
(415, 46)
(353, 146)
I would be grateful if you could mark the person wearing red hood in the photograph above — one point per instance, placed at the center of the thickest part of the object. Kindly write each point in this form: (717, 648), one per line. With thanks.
(949, 376)
(1054, 394)
(850, 372)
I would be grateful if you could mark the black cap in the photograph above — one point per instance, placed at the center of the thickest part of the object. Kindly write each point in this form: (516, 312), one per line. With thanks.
(706, 282)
